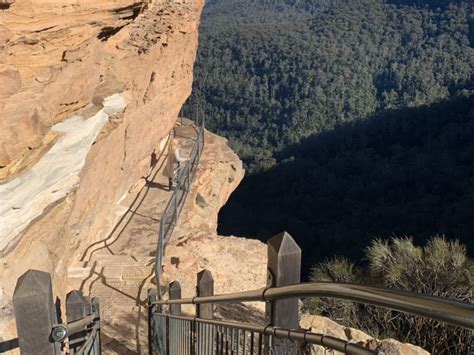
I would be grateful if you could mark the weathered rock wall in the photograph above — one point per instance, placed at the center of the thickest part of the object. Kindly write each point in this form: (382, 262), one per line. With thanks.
(62, 58)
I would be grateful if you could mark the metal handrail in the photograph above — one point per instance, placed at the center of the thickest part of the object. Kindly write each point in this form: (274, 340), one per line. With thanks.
(305, 336)
(81, 324)
(173, 207)
(449, 311)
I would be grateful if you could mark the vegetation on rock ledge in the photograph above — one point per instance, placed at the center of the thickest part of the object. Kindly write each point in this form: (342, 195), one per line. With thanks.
(440, 268)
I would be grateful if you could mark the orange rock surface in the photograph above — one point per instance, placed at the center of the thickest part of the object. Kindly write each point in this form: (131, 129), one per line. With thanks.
(62, 58)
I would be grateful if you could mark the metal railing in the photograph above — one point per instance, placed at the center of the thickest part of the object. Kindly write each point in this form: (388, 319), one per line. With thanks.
(174, 334)
(38, 320)
(185, 335)
(184, 178)
(457, 313)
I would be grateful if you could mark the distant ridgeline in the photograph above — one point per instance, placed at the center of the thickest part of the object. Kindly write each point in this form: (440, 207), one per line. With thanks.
(354, 118)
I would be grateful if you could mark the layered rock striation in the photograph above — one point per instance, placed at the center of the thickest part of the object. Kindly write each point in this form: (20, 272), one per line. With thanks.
(90, 91)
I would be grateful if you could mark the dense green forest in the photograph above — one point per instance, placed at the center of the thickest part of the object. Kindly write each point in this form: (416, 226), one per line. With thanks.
(355, 119)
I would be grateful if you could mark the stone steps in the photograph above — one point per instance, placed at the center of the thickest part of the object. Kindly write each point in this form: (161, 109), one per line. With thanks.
(115, 260)
(121, 269)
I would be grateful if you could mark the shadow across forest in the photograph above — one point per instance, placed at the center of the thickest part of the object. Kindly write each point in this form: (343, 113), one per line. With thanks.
(430, 3)
(402, 172)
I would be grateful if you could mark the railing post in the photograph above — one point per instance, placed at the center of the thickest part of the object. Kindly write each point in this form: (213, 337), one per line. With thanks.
(156, 339)
(75, 310)
(205, 287)
(175, 294)
(159, 256)
(87, 306)
(284, 268)
(174, 291)
(35, 313)
(96, 312)
(188, 174)
(175, 216)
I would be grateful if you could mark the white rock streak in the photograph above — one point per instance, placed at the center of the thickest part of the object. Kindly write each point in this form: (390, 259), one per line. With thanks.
(25, 198)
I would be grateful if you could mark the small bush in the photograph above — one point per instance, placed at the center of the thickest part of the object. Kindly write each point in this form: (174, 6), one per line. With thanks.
(440, 268)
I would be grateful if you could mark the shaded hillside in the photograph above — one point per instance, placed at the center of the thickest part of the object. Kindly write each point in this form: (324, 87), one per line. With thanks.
(407, 171)
(352, 118)
(269, 78)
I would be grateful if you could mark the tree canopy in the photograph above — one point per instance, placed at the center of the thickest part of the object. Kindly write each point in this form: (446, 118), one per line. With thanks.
(354, 118)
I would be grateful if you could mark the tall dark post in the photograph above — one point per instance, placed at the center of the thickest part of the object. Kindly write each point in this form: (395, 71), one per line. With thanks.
(156, 332)
(205, 287)
(35, 313)
(175, 294)
(75, 310)
(174, 291)
(74, 306)
(96, 311)
(284, 268)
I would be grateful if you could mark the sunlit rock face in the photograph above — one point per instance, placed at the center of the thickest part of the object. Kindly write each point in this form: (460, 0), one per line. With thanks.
(89, 90)
(55, 175)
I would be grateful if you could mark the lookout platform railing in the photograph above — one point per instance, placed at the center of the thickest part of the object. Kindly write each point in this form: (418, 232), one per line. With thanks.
(172, 333)
(39, 320)
(184, 179)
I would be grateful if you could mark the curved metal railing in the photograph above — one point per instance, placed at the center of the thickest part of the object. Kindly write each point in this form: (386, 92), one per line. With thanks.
(213, 335)
(453, 312)
(175, 204)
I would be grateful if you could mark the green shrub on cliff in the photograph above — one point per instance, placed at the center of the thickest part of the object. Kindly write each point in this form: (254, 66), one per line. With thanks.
(440, 268)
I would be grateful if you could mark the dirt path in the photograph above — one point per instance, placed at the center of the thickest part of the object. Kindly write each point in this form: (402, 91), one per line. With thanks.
(120, 268)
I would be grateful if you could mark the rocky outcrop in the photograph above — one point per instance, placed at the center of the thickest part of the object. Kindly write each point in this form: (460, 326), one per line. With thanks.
(322, 325)
(237, 264)
(59, 62)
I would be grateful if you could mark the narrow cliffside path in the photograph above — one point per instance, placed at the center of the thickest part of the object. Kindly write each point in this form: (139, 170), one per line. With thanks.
(119, 268)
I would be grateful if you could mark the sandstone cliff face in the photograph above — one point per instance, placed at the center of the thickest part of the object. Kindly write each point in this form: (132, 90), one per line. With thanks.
(60, 61)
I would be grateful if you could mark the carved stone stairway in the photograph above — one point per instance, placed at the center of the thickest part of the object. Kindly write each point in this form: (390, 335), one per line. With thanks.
(120, 268)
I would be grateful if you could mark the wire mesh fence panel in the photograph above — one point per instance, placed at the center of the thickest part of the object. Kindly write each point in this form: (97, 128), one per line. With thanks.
(205, 334)
(180, 337)
(159, 333)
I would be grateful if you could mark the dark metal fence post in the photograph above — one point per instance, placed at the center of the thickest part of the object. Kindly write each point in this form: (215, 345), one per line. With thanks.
(87, 306)
(175, 214)
(96, 312)
(175, 294)
(75, 310)
(205, 287)
(35, 313)
(156, 344)
(188, 179)
(284, 268)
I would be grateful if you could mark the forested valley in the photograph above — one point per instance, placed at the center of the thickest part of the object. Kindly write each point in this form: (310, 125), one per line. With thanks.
(355, 122)
(354, 119)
